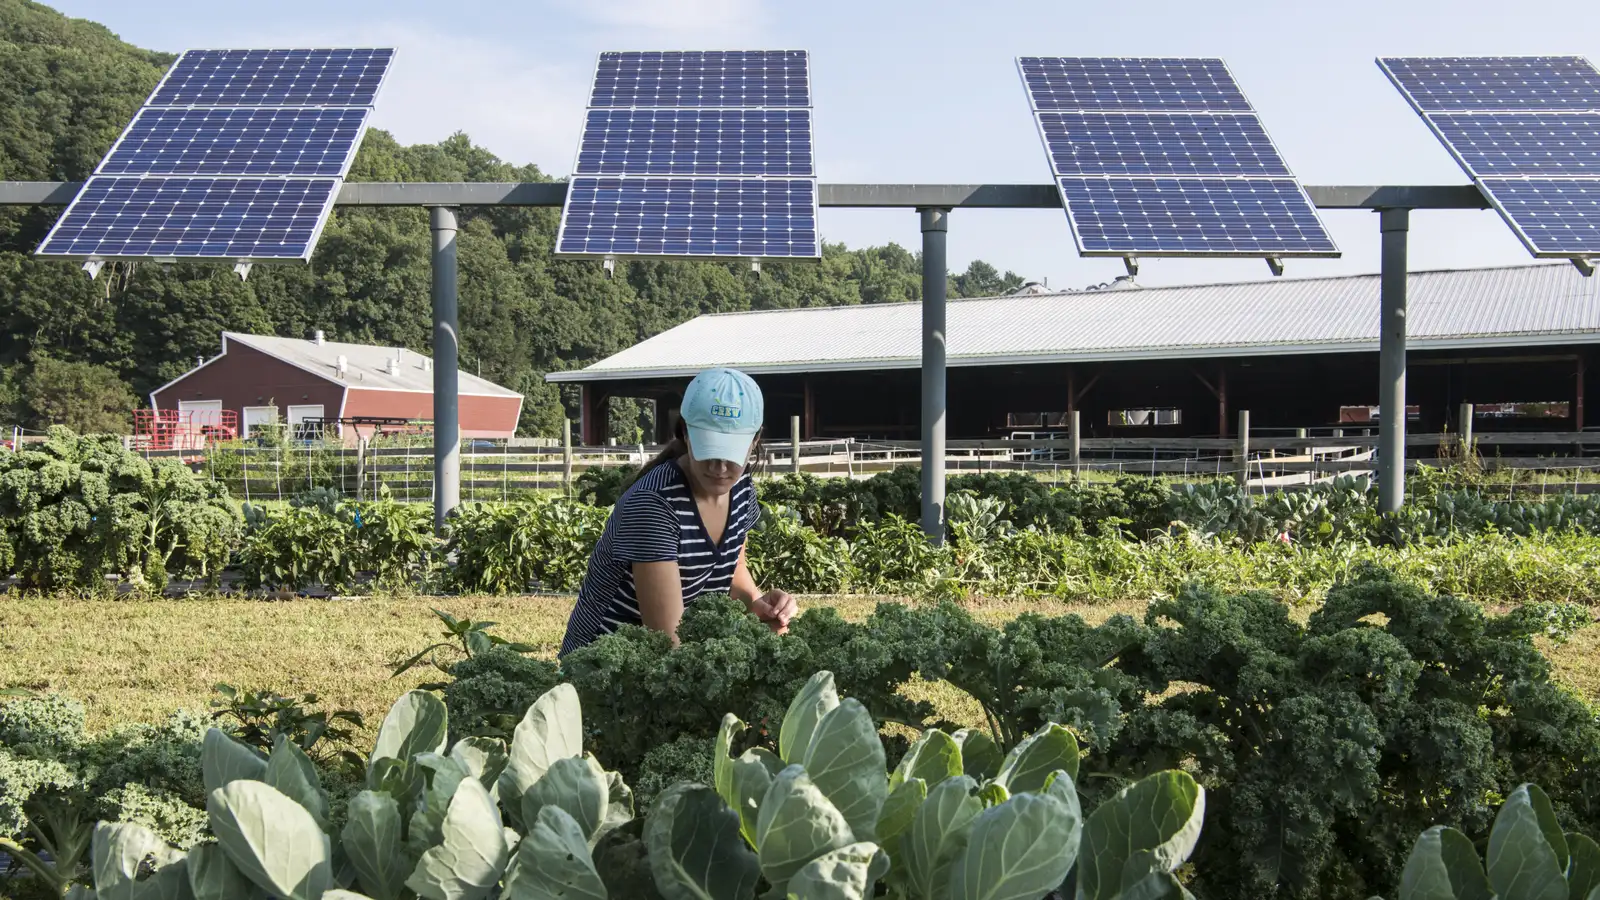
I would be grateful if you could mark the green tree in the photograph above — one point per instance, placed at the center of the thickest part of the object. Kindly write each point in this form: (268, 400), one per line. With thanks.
(87, 398)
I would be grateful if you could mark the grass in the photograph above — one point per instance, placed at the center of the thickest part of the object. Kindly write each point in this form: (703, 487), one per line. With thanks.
(139, 660)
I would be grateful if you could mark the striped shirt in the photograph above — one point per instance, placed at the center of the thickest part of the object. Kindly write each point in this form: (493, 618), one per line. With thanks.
(656, 520)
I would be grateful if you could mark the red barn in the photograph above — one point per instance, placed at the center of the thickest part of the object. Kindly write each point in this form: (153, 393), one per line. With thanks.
(346, 388)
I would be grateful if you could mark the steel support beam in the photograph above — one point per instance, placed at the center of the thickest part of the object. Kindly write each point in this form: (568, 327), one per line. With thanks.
(935, 274)
(891, 196)
(1395, 224)
(446, 354)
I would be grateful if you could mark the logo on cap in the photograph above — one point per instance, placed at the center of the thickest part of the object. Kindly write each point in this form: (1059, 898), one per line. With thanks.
(723, 411)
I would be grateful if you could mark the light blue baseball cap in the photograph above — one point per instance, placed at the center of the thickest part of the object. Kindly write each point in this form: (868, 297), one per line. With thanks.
(722, 410)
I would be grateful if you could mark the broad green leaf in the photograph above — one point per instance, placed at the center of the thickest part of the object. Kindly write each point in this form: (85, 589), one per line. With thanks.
(1583, 874)
(900, 809)
(372, 843)
(751, 775)
(619, 804)
(1444, 866)
(295, 776)
(223, 759)
(695, 848)
(1031, 762)
(993, 794)
(848, 873)
(441, 776)
(1152, 823)
(473, 856)
(213, 877)
(1061, 786)
(846, 762)
(552, 729)
(553, 862)
(417, 723)
(934, 757)
(722, 760)
(1016, 851)
(483, 757)
(938, 833)
(980, 755)
(1521, 863)
(815, 700)
(271, 840)
(342, 894)
(1548, 824)
(115, 852)
(577, 787)
(797, 824)
(170, 882)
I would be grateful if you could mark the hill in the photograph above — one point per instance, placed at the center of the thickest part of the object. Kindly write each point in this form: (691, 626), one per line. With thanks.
(68, 87)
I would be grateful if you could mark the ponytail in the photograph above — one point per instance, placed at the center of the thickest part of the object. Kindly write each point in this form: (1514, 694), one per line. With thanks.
(678, 446)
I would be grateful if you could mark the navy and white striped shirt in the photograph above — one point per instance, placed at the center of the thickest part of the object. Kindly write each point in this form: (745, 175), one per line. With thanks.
(656, 520)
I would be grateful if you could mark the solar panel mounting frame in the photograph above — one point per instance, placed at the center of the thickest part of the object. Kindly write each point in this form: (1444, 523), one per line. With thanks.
(1582, 262)
(94, 261)
(1131, 256)
(610, 258)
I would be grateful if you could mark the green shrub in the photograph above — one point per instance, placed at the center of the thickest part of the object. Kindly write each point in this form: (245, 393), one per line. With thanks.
(487, 689)
(508, 548)
(294, 548)
(784, 553)
(80, 508)
(603, 485)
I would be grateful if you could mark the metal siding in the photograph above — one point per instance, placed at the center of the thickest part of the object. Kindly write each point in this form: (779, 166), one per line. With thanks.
(1503, 305)
(485, 417)
(368, 364)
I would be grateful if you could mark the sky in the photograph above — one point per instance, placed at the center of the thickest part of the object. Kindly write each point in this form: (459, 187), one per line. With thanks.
(928, 92)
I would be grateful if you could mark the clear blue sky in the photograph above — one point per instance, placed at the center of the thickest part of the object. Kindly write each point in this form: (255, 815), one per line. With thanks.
(928, 92)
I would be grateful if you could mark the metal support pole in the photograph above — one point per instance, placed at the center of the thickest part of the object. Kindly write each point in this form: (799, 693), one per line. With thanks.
(1394, 223)
(794, 444)
(1465, 427)
(935, 225)
(1076, 435)
(566, 457)
(1244, 450)
(446, 351)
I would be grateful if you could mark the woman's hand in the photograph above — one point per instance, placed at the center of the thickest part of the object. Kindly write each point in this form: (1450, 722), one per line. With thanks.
(775, 608)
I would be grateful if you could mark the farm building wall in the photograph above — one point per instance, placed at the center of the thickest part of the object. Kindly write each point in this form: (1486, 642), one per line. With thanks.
(1281, 392)
(481, 417)
(247, 377)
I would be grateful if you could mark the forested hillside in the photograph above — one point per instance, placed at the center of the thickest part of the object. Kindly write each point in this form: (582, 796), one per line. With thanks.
(67, 88)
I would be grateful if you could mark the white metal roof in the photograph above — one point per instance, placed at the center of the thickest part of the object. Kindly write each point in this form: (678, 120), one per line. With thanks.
(367, 366)
(1499, 307)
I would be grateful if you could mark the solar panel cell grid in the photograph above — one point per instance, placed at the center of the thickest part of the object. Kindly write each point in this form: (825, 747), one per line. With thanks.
(1089, 143)
(274, 78)
(754, 78)
(1537, 83)
(263, 142)
(228, 218)
(1524, 143)
(696, 142)
(1131, 84)
(691, 217)
(1181, 216)
(1556, 217)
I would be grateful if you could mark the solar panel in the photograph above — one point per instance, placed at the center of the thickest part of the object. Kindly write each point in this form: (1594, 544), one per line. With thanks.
(695, 154)
(736, 78)
(274, 78)
(1094, 143)
(1193, 217)
(1527, 130)
(696, 142)
(744, 217)
(242, 219)
(237, 154)
(1166, 157)
(304, 142)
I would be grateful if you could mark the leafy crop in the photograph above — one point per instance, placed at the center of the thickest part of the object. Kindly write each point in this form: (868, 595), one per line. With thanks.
(504, 548)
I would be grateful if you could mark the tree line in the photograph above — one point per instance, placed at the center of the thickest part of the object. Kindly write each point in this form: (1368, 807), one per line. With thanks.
(84, 353)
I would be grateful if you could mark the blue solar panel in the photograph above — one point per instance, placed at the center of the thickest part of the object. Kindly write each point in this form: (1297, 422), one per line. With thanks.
(1527, 130)
(225, 218)
(733, 78)
(1194, 216)
(1093, 143)
(1557, 217)
(1523, 143)
(211, 141)
(1464, 83)
(745, 217)
(274, 78)
(696, 142)
(1131, 84)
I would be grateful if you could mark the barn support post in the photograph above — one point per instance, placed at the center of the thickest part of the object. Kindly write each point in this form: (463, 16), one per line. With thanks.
(808, 428)
(935, 275)
(1244, 450)
(1394, 224)
(1577, 406)
(446, 352)
(1075, 434)
(794, 444)
(1222, 400)
(566, 456)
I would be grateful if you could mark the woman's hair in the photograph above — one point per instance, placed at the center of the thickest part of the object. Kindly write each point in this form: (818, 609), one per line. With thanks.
(679, 445)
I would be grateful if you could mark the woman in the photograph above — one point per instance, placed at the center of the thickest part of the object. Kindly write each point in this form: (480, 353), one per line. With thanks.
(678, 531)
